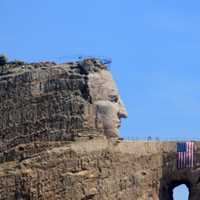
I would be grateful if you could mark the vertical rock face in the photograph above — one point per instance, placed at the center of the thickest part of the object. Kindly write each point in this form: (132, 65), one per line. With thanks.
(98, 169)
(42, 102)
(59, 139)
(49, 102)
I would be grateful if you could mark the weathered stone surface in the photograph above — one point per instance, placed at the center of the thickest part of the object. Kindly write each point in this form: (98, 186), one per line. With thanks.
(99, 169)
(49, 102)
(59, 139)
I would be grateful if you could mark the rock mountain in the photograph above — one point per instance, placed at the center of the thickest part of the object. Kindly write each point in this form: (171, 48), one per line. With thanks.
(59, 139)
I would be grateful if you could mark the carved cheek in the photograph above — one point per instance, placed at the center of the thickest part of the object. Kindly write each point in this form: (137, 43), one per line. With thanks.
(107, 113)
(108, 123)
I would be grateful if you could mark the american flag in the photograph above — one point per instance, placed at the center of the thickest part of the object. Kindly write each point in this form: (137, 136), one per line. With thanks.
(185, 154)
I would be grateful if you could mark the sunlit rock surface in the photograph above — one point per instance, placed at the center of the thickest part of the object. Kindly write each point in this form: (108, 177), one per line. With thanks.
(59, 139)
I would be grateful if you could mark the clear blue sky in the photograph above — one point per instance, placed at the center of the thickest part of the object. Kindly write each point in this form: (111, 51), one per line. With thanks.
(154, 45)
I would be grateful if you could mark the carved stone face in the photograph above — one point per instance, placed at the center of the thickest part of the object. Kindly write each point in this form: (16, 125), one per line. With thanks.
(109, 106)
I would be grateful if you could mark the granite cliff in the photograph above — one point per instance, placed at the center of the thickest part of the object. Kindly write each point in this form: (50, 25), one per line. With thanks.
(59, 139)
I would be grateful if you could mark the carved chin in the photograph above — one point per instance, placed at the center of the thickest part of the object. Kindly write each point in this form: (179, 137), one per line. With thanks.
(114, 132)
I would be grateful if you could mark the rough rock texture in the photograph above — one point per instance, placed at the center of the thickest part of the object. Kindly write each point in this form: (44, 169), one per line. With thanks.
(42, 102)
(99, 169)
(59, 139)
(49, 102)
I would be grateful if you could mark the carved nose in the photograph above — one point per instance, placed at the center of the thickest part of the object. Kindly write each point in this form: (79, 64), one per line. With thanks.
(123, 113)
(122, 110)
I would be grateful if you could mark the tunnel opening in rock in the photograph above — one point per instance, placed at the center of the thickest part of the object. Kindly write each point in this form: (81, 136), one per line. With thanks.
(178, 190)
(181, 192)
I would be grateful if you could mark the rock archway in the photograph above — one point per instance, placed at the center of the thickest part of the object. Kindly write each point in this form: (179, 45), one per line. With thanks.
(188, 177)
(175, 184)
(166, 190)
(181, 192)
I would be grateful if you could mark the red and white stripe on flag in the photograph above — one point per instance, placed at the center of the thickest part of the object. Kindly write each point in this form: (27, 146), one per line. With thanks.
(185, 154)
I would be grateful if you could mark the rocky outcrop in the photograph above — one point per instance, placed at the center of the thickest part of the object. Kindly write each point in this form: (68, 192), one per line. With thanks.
(42, 102)
(99, 169)
(59, 139)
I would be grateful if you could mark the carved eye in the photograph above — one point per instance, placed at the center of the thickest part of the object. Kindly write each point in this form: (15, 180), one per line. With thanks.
(114, 98)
